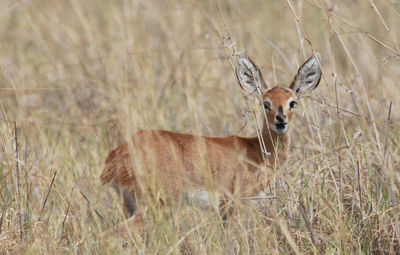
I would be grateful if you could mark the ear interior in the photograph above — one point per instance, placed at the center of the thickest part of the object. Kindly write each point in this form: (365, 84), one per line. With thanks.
(308, 75)
(249, 76)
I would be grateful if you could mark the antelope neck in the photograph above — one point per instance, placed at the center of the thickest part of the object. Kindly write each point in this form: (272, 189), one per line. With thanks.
(276, 144)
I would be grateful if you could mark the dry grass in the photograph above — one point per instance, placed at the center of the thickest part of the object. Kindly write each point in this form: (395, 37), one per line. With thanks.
(77, 77)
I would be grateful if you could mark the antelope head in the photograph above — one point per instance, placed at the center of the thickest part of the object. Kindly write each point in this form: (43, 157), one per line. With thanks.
(278, 102)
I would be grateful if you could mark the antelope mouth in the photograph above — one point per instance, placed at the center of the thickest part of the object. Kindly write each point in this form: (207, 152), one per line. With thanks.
(280, 128)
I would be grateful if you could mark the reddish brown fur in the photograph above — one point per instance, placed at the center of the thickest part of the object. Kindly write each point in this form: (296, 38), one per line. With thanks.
(186, 159)
(177, 162)
(165, 164)
(279, 97)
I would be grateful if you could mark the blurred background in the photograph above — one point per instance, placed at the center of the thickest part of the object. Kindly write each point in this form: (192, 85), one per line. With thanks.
(78, 77)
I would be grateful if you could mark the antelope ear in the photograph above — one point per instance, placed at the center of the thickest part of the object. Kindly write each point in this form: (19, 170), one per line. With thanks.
(308, 76)
(249, 76)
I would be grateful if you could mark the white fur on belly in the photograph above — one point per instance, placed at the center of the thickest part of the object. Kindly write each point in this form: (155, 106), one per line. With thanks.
(261, 197)
(202, 198)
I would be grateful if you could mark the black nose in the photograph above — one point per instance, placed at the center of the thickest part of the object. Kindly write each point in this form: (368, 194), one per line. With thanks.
(280, 118)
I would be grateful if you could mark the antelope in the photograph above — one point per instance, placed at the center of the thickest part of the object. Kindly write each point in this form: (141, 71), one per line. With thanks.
(168, 164)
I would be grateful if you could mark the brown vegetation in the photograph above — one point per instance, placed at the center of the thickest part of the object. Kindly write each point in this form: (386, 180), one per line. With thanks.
(77, 78)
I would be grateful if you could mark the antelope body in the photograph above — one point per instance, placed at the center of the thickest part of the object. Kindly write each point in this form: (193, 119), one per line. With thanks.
(168, 165)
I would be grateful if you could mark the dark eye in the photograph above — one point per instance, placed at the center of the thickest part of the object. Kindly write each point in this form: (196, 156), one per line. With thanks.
(267, 104)
(292, 104)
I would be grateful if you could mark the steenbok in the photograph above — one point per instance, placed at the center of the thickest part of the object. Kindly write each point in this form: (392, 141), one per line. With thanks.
(168, 166)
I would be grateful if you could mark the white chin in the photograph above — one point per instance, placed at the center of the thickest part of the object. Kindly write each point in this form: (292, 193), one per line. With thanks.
(279, 130)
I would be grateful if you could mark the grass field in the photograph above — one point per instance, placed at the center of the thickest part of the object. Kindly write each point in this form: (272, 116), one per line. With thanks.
(78, 77)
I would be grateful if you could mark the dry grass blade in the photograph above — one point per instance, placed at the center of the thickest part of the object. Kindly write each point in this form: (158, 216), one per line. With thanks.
(385, 25)
(356, 28)
(48, 192)
(77, 78)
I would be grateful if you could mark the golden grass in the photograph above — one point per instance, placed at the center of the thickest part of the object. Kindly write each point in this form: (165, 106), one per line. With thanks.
(78, 77)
